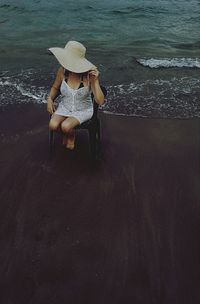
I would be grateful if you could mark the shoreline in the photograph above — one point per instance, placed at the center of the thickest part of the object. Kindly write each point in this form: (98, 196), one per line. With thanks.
(156, 93)
(16, 112)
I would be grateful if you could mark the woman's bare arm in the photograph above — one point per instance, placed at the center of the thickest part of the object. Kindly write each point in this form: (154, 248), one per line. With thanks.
(96, 89)
(54, 90)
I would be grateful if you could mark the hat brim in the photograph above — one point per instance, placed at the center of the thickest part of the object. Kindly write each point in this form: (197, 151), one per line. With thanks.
(70, 62)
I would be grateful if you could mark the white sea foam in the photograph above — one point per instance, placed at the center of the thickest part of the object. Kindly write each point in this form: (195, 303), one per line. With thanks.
(175, 97)
(39, 97)
(170, 62)
(122, 114)
(172, 97)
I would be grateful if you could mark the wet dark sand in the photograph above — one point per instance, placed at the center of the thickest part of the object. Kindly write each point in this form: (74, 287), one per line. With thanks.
(124, 231)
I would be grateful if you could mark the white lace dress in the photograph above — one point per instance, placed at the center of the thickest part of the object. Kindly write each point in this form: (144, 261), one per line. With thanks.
(75, 102)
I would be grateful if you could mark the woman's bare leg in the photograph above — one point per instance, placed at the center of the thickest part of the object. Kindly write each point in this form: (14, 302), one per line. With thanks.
(56, 121)
(71, 139)
(55, 124)
(67, 127)
(65, 139)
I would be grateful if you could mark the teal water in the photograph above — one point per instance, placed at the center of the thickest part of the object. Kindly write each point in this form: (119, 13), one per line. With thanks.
(134, 27)
(133, 42)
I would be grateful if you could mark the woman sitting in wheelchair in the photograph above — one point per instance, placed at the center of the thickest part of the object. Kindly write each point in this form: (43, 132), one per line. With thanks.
(76, 79)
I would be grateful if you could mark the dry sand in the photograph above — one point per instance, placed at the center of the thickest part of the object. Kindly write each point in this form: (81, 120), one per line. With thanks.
(123, 231)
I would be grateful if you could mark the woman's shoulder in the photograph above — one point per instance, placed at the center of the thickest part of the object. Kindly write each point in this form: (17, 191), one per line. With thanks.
(60, 74)
(61, 71)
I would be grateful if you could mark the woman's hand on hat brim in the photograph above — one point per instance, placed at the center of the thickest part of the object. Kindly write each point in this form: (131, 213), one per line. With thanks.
(93, 75)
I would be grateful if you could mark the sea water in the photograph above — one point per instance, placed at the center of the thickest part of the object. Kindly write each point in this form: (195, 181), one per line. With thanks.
(147, 51)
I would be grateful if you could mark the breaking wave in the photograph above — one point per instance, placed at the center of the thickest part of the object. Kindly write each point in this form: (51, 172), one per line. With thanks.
(170, 62)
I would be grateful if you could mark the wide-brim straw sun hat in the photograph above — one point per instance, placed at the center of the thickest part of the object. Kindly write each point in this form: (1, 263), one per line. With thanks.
(72, 57)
